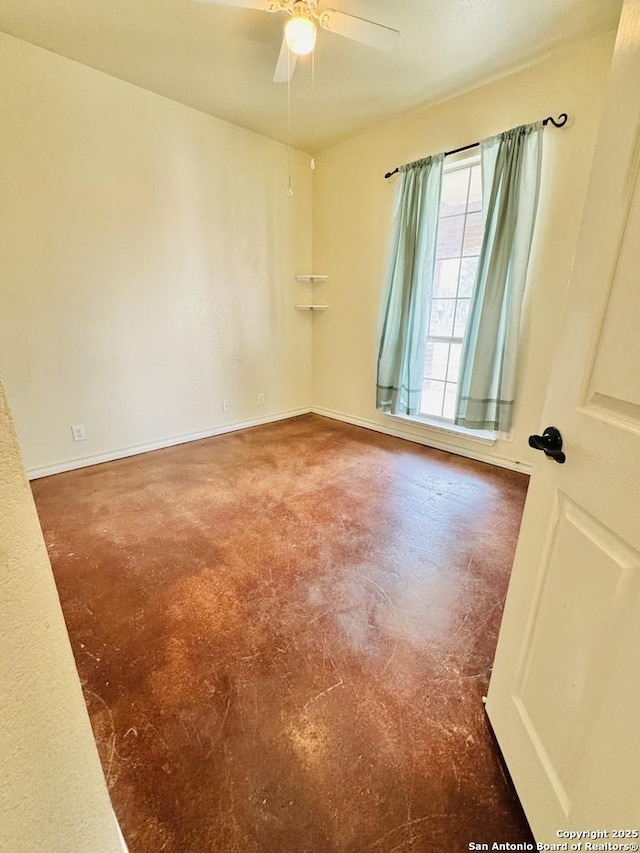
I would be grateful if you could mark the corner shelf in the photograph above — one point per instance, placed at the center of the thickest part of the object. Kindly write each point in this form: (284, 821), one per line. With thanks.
(312, 277)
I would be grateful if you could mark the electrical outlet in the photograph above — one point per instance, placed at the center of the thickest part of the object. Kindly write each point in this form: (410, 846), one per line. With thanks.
(261, 399)
(78, 433)
(225, 405)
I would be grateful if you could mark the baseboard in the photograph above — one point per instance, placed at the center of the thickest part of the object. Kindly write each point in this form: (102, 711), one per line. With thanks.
(417, 434)
(86, 461)
(425, 436)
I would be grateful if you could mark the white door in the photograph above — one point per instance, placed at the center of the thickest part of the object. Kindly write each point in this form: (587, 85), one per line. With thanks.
(564, 698)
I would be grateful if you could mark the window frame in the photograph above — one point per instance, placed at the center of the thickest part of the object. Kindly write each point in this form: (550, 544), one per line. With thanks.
(453, 163)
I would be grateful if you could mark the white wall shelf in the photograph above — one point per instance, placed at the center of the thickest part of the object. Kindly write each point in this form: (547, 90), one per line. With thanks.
(310, 277)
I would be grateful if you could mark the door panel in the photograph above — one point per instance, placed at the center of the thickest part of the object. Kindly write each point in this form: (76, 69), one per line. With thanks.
(614, 382)
(556, 694)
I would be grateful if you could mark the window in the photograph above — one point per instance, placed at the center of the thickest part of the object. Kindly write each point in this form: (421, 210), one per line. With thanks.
(460, 232)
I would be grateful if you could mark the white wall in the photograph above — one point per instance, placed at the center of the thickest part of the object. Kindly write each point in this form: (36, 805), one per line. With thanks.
(148, 253)
(53, 796)
(352, 207)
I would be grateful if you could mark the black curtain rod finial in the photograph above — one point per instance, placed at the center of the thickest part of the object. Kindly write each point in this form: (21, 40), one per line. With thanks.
(562, 119)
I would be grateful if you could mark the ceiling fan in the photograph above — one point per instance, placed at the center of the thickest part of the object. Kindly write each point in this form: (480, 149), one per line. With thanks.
(300, 30)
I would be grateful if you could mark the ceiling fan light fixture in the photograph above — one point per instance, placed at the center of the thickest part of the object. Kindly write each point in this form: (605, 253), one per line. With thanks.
(300, 34)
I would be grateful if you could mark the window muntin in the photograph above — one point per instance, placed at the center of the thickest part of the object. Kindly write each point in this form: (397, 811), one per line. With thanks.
(460, 231)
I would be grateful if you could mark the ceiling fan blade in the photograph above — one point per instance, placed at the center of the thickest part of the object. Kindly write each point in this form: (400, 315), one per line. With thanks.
(242, 4)
(359, 29)
(285, 64)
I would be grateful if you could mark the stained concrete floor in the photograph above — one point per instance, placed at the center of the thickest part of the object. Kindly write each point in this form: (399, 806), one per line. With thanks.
(284, 635)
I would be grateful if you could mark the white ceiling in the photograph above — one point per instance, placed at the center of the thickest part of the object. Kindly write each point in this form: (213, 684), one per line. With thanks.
(221, 60)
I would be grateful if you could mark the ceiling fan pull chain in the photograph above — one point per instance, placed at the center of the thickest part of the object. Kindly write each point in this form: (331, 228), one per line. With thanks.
(289, 187)
(313, 111)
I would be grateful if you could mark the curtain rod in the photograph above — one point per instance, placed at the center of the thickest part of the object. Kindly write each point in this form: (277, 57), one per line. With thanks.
(559, 122)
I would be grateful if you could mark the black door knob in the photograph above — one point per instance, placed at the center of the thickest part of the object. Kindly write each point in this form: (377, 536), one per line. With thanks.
(550, 442)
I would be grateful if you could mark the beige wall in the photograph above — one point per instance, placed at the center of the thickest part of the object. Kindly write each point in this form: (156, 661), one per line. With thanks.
(352, 204)
(53, 796)
(148, 253)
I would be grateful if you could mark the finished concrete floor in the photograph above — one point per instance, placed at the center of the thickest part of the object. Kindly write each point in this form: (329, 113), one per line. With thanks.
(284, 635)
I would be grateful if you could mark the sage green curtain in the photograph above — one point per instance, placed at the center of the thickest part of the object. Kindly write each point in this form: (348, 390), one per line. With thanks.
(409, 283)
(511, 166)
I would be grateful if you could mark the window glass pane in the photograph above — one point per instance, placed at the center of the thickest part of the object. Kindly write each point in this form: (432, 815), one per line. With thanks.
(462, 315)
(454, 192)
(453, 371)
(468, 269)
(441, 320)
(449, 406)
(435, 363)
(473, 234)
(450, 237)
(432, 398)
(446, 283)
(475, 190)
(460, 232)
